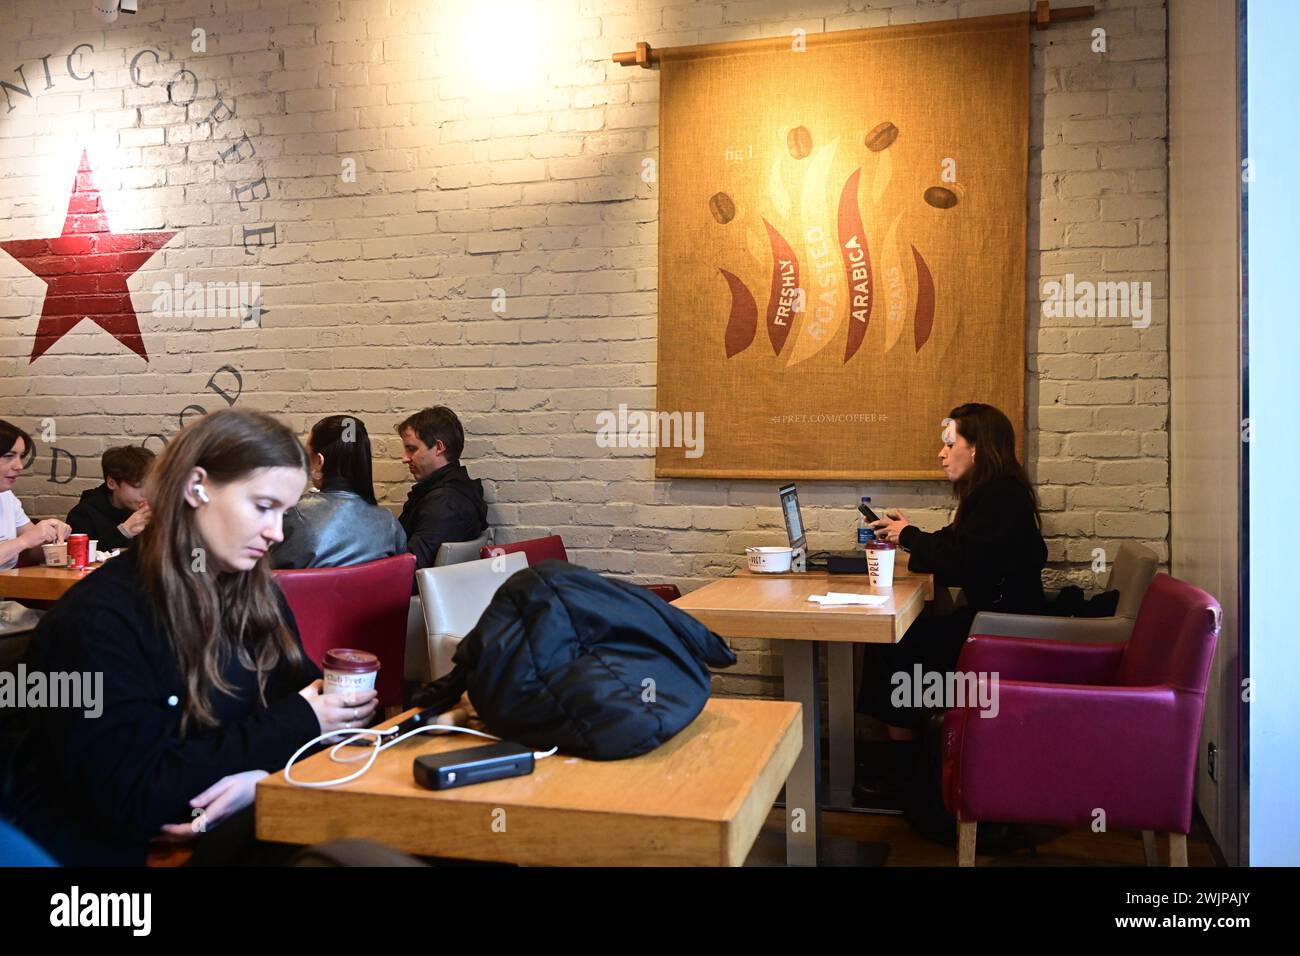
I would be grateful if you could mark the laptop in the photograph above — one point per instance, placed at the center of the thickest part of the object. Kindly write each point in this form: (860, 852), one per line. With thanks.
(836, 562)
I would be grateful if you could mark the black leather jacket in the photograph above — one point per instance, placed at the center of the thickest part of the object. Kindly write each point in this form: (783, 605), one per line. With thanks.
(335, 528)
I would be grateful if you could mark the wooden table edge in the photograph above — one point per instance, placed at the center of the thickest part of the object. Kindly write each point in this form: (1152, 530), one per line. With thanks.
(736, 829)
(745, 818)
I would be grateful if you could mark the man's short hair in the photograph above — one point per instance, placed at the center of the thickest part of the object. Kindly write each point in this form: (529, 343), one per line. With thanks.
(127, 463)
(437, 424)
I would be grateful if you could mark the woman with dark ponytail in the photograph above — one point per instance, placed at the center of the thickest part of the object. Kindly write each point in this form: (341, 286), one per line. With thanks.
(993, 550)
(339, 524)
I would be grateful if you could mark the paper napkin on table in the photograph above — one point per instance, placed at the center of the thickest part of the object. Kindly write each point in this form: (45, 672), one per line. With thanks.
(844, 598)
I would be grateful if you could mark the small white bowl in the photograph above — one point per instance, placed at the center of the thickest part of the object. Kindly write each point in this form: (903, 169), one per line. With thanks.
(769, 560)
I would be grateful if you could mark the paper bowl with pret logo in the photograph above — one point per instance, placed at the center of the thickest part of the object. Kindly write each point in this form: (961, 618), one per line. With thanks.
(769, 560)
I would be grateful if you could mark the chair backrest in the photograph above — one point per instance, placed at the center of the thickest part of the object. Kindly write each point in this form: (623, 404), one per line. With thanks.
(362, 606)
(1173, 638)
(455, 597)
(458, 552)
(669, 592)
(536, 549)
(1130, 574)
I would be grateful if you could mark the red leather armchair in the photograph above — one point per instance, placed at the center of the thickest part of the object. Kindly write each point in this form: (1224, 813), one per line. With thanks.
(363, 606)
(535, 549)
(552, 546)
(1083, 729)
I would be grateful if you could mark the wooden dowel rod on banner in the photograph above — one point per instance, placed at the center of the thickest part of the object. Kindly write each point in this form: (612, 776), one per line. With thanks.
(645, 56)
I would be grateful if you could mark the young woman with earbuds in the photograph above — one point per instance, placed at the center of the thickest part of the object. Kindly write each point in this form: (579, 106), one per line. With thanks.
(205, 686)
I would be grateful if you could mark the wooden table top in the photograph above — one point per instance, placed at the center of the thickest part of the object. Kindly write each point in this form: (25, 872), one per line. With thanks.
(901, 570)
(38, 583)
(700, 799)
(776, 607)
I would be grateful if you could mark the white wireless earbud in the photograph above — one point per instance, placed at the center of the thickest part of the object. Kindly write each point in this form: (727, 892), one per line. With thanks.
(201, 494)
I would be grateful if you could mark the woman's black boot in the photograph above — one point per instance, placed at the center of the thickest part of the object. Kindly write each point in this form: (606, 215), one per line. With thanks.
(884, 774)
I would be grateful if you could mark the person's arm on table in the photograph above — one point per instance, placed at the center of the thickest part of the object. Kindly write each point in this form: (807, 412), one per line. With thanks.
(130, 765)
(29, 539)
(958, 556)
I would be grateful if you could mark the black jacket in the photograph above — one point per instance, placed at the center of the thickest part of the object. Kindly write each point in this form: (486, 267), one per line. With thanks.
(96, 516)
(95, 790)
(600, 668)
(446, 506)
(996, 555)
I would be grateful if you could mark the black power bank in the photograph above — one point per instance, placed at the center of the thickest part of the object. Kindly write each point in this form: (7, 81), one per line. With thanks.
(460, 768)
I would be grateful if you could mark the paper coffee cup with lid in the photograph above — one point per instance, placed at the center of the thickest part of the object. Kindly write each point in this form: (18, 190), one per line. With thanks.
(880, 562)
(349, 670)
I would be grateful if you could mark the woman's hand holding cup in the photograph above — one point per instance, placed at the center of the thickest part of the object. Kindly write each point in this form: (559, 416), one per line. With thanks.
(341, 711)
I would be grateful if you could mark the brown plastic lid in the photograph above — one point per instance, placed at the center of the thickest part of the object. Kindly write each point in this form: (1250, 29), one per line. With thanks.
(348, 661)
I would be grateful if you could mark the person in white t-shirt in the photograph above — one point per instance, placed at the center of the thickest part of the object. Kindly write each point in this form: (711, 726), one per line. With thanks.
(18, 533)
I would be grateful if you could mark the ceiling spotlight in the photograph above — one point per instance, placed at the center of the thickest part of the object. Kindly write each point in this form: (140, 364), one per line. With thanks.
(107, 10)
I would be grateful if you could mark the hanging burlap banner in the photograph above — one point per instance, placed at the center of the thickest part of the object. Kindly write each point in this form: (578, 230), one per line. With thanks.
(841, 246)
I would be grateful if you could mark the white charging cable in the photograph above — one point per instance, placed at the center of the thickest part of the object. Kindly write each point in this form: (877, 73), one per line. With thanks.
(373, 752)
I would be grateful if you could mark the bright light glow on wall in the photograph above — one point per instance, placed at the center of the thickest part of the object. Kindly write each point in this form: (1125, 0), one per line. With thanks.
(55, 169)
(500, 46)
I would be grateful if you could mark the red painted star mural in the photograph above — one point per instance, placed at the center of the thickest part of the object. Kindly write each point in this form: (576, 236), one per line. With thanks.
(85, 270)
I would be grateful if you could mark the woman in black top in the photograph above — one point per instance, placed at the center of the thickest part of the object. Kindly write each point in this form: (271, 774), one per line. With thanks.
(993, 551)
(204, 685)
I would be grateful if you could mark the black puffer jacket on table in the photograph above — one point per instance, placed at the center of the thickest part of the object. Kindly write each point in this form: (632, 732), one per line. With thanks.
(600, 668)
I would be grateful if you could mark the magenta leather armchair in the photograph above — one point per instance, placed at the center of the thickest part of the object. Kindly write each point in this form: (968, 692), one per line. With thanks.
(1087, 729)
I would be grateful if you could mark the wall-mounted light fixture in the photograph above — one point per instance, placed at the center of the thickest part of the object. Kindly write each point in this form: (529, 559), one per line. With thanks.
(107, 10)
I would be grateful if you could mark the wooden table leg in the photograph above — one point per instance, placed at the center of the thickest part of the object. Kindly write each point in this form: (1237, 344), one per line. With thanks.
(802, 800)
(839, 664)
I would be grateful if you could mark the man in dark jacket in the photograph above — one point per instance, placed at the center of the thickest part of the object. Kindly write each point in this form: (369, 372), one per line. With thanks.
(116, 511)
(445, 504)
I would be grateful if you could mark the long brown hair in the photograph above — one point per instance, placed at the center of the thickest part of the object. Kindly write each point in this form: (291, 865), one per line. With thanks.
(210, 617)
(994, 439)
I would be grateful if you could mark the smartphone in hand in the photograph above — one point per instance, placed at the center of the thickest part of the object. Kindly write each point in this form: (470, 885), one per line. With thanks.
(868, 513)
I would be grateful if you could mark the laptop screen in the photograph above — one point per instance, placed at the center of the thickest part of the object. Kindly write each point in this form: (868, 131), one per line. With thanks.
(793, 520)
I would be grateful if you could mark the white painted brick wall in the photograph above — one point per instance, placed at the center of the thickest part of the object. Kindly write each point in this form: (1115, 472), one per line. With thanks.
(379, 292)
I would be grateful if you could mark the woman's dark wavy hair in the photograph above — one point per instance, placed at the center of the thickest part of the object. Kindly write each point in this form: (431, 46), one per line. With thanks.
(344, 443)
(994, 439)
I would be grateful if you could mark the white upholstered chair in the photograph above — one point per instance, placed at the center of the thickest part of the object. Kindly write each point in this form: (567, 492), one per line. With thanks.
(454, 598)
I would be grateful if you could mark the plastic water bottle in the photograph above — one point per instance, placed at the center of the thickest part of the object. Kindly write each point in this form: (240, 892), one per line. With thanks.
(865, 533)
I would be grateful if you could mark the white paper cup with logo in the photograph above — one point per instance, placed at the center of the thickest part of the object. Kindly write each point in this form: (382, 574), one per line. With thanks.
(880, 563)
(347, 670)
(56, 555)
